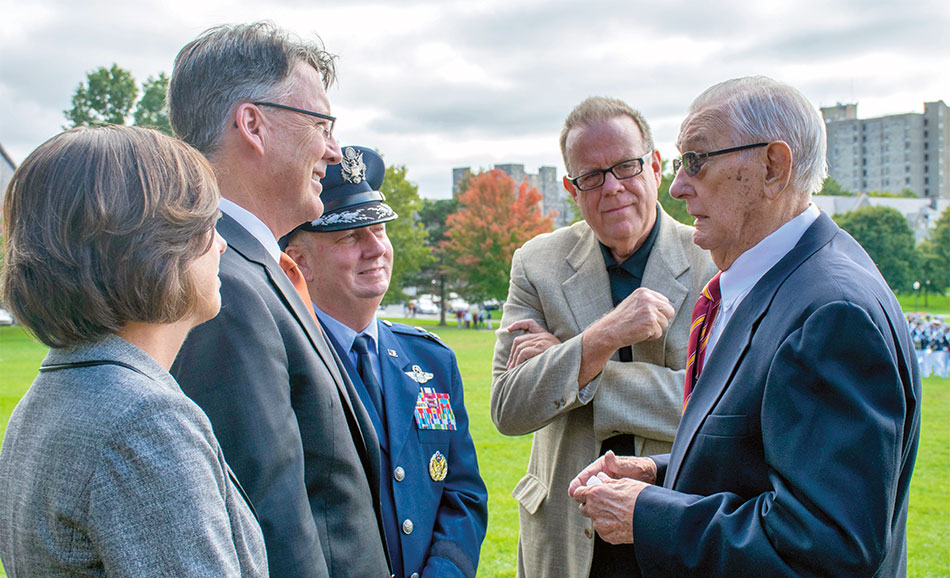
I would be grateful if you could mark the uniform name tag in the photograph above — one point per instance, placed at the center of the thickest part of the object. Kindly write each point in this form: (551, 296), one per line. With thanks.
(434, 410)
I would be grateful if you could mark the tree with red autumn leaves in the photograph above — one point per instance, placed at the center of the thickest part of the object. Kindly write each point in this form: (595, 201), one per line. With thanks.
(494, 219)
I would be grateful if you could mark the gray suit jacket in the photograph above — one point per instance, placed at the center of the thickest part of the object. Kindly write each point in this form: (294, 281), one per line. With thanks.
(290, 423)
(113, 470)
(560, 280)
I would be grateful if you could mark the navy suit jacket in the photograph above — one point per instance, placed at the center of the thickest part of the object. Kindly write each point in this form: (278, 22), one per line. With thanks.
(449, 517)
(795, 453)
(288, 419)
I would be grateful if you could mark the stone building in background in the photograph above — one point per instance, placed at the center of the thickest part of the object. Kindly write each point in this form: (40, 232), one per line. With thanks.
(890, 153)
(546, 181)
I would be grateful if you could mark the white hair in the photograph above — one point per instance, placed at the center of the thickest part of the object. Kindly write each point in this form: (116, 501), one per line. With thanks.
(757, 108)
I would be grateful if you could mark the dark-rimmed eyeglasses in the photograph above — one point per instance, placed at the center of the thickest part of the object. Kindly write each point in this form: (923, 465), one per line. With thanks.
(623, 170)
(693, 162)
(326, 128)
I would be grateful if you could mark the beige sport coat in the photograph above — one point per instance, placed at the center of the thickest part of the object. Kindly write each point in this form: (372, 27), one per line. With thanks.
(560, 280)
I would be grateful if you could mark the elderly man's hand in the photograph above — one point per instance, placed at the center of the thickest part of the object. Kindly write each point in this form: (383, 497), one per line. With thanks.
(617, 467)
(534, 341)
(610, 506)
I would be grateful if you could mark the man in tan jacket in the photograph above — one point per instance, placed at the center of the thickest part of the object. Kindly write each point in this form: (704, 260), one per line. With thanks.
(592, 344)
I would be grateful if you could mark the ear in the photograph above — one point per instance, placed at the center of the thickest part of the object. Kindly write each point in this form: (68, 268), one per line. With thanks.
(250, 126)
(656, 164)
(300, 258)
(778, 168)
(569, 187)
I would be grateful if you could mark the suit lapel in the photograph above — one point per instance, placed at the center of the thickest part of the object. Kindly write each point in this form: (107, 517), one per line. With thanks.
(735, 341)
(585, 291)
(401, 391)
(667, 264)
(241, 241)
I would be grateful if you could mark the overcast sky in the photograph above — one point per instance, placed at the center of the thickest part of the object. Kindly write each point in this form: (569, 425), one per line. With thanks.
(446, 83)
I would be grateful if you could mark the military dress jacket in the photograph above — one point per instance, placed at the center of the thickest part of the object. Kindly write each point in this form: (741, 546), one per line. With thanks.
(435, 492)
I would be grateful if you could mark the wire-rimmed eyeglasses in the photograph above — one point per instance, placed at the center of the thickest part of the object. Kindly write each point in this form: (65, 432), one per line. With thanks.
(693, 162)
(327, 128)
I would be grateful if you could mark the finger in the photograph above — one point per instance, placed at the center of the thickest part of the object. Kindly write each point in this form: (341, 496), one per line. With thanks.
(666, 308)
(580, 495)
(610, 464)
(529, 325)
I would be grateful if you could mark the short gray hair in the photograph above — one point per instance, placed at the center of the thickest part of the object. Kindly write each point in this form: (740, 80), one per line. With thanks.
(231, 64)
(757, 108)
(601, 108)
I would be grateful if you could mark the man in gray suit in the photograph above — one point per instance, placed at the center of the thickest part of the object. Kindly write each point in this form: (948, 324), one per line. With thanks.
(592, 346)
(253, 100)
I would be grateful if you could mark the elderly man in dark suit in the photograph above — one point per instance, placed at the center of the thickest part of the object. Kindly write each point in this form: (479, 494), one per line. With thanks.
(435, 505)
(253, 100)
(802, 415)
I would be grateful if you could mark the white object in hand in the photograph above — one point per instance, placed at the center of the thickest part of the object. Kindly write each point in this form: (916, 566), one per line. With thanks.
(594, 480)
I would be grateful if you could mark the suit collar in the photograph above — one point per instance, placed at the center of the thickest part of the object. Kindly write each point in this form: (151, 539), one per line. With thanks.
(737, 337)
(587, 291)
(253, 225)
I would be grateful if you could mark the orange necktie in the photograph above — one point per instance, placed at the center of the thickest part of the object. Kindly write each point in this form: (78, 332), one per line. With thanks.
(704, 313)
(290, 268)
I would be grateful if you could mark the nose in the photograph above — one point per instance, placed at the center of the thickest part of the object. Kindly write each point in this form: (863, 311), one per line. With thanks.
(220, 242)
(333, 155)
(373, 246)
(679, 188)
(612, 184)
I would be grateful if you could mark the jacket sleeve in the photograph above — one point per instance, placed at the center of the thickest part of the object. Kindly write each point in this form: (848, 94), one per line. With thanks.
(462, 519)
(837, 431)
(158, 497)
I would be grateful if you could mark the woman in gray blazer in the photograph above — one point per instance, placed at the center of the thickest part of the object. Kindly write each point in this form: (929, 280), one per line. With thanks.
(107, 468)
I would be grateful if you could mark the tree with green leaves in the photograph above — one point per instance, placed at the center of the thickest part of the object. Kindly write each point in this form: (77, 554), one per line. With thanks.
(433, 216)
(888, 239)
(833, 187)
(152, 109)
(935, 257)
(675, 208)
(495, 218)
(108, 95)
(406, 233)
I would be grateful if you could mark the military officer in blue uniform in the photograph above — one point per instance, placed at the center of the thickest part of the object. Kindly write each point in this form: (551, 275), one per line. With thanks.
(433, 499)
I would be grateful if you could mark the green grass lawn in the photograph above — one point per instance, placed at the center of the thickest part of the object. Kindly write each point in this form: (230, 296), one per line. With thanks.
(503, 459)
(933, 304)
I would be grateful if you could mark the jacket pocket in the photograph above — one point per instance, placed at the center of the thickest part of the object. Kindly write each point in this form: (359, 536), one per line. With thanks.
(530, 492)
(726, 426)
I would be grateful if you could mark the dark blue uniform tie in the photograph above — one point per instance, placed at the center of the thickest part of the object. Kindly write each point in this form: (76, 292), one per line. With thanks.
(364, 365)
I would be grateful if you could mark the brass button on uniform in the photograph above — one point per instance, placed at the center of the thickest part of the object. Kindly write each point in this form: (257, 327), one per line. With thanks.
(588, 533)
(407, 527)
(414, 575)
(399, 474)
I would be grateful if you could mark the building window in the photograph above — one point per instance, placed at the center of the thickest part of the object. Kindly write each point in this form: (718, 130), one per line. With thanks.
(907, 181)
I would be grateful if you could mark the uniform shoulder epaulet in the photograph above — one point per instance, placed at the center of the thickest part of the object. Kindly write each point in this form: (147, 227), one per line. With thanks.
(416, 332)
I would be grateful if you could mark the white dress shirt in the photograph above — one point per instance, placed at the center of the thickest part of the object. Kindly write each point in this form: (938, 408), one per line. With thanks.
(736, 282)
(254, 226)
